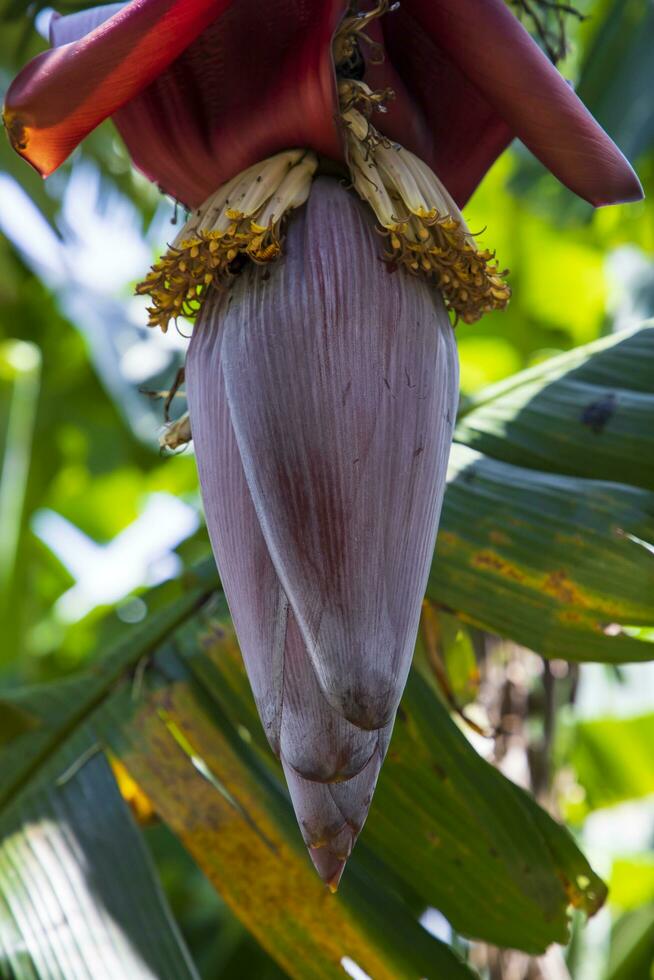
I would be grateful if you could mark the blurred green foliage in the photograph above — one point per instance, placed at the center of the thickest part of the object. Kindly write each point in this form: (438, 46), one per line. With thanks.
(612, 759)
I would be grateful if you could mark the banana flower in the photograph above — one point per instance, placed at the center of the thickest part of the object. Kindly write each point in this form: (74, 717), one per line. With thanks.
(323, 151)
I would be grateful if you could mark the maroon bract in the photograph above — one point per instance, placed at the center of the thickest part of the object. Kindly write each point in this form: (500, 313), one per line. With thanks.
(202, 89)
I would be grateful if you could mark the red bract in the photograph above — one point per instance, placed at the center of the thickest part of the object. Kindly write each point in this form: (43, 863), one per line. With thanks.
(202, 89)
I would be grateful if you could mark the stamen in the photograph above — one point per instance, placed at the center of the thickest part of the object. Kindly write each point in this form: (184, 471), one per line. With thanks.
(425, 230)
(354, 27)
(242, 218)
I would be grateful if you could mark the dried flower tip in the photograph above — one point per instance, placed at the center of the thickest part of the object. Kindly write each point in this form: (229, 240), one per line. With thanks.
(177, 433)
(353, 28)
(356, 95)
(426, 231)
(242, 218)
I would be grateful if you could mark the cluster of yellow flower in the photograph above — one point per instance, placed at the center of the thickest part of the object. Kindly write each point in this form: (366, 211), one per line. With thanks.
(425, 230)
(241, 218)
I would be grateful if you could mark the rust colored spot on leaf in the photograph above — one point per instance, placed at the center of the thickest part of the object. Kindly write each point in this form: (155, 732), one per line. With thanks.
(559, 586)
(570, 616)
(491, 561)
(584, 894)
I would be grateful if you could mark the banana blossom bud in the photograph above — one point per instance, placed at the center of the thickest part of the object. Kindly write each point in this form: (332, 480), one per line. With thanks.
(322, 394)
(322, 387)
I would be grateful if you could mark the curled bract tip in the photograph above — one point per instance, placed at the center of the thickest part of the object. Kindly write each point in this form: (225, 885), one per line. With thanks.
(488, 46)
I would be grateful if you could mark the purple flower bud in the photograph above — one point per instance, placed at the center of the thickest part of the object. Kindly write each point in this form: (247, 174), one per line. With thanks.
(322, 393)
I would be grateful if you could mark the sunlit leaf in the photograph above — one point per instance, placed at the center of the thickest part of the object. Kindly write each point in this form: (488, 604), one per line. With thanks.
(449, 828)
(77, 886)
(60, 707)
(20, 370)
(240, 830)
(459, 657)
(612, 760)
(632, 882)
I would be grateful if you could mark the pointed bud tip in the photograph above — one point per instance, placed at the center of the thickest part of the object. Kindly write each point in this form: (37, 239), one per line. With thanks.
(629, 192)
(329, 866)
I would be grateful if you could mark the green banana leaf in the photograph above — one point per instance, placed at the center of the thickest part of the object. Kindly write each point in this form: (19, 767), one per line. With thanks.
(79, 895)
(172, 703)
(547, 531)
(587, 413)
(545, 546)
